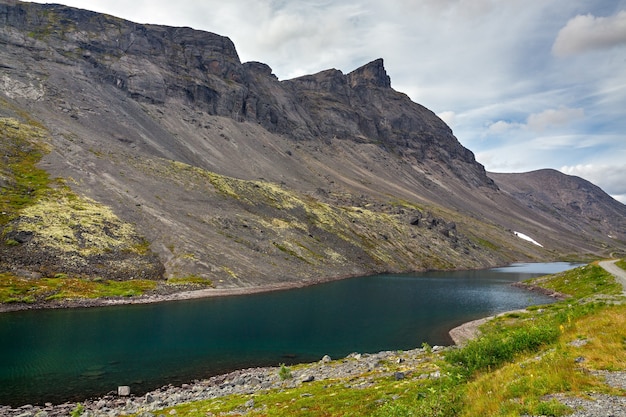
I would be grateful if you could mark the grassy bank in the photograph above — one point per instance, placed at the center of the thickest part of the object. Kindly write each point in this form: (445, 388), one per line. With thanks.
(14, 289)
(25, 290)
(510, 370)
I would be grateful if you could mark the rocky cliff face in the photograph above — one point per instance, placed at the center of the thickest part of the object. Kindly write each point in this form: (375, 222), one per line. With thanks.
(160, 65)
(231, 174)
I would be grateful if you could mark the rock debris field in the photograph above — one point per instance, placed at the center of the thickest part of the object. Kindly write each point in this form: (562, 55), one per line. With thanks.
(355, 371)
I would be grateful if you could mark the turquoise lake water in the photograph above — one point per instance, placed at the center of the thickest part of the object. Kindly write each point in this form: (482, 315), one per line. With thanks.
(60, 355)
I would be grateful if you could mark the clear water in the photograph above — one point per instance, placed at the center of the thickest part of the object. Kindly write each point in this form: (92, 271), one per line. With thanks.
(60, 355)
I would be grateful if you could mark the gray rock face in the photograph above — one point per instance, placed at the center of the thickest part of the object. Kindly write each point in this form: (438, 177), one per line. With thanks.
(157, 64)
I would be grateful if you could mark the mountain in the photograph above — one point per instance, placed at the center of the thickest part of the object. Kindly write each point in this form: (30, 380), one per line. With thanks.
(144, 151)
(576, 203)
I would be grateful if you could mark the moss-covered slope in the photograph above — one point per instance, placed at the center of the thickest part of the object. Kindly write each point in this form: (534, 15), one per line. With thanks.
(46, 229)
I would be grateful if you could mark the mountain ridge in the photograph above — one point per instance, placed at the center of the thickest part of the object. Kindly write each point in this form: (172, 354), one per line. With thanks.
(233, 175)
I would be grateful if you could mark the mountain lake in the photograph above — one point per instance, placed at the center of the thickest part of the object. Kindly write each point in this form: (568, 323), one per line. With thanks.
(73, 354)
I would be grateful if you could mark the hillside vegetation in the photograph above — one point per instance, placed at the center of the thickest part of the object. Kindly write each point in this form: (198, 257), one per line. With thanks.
(524, 363)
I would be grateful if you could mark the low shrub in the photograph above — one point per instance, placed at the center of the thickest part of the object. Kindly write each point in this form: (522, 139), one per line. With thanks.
(284, 372)
(495, 349)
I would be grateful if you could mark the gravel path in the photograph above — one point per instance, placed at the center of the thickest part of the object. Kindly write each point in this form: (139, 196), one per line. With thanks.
(599, 405)
(616, 271)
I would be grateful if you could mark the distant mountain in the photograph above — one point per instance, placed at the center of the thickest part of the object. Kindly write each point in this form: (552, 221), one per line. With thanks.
(575, 202)
(162, 155)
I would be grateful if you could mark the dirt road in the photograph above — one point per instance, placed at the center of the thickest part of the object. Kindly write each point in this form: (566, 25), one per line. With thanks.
(616, 271)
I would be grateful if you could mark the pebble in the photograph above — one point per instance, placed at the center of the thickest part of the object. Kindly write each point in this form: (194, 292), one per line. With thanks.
(600, 405)
(250, 381)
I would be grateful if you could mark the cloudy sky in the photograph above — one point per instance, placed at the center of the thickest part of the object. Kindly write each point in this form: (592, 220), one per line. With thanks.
(524, 84)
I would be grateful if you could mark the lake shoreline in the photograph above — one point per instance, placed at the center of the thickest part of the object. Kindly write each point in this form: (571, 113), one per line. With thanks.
(470, 329)
(248, 381)
(185, 294)
(192, 294)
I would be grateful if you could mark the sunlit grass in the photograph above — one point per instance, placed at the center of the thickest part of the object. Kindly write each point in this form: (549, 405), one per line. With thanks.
(385, 397)
(605, 337)
(23, 148)
(581, 282)
(15, 289)
(519, 387)
(190, 279)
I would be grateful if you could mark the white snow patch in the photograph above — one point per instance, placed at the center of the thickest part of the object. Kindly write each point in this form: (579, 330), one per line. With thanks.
(528, 238)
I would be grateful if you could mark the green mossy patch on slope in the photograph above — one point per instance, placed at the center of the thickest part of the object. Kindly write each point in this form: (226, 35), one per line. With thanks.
(46, 229)
(27, 290)
(21, 181)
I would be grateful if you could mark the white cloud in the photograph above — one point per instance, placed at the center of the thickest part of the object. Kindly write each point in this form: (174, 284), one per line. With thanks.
(553, 118)
(587, 32)
(500, 127)
(538, 122)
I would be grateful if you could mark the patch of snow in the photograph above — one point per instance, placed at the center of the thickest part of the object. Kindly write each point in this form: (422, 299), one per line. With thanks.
(528, 238)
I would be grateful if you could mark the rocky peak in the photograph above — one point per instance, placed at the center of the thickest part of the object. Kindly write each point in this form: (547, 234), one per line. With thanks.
(259, 68)
(371, 74)
(331, 80)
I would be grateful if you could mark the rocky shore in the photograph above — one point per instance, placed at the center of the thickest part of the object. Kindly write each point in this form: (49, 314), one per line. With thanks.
(356, 370)
(359, 369)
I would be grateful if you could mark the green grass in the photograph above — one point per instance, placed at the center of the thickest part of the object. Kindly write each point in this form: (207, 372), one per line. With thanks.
(190, 279)
(580, 282)
(501, 345)
(22, 149)
(15, 289)
(321, 398)
(519, 386)
(519, 359)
